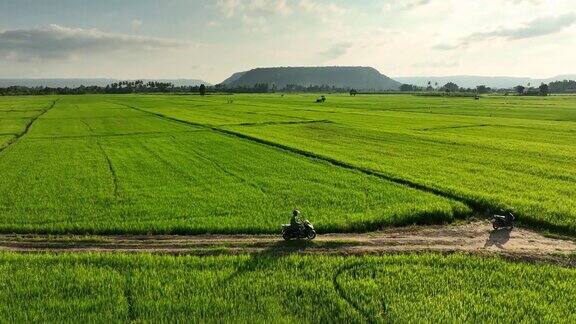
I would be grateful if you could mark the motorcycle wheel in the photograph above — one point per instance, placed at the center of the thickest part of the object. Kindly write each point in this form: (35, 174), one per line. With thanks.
(311, 234)
(495, 226)
(286, 236)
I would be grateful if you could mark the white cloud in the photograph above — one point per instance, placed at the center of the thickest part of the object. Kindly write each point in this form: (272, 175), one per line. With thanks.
(262, 15)
(57, 42)
(535, 28)
(336, 50)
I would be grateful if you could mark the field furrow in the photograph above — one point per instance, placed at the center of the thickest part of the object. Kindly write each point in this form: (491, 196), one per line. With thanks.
(20, 127)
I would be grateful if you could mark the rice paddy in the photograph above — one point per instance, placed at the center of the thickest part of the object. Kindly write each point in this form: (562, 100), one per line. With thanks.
(498, 152)
(168, 164)
(402, 288)
(225, 164)
(90, 165)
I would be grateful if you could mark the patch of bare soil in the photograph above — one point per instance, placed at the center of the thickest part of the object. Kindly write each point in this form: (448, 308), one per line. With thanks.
(475, 237)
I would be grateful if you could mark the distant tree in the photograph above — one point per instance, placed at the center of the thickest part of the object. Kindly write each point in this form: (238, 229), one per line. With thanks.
(520, 89)
(450, 87)
(409, 87)
(481, 89)
(543, 89)
(566, 86)
(353, 92)
(202, 89)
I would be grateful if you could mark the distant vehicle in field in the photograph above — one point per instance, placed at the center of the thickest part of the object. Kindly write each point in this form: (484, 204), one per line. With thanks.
(503, 221)
(321, 99)
(298, 228)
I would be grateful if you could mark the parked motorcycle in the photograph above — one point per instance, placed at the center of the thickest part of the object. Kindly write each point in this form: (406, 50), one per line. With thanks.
(304, 230)
(503, 221)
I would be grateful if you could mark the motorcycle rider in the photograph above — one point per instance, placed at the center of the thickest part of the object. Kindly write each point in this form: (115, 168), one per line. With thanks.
(295, 221)
(504, 219)
(298, 228)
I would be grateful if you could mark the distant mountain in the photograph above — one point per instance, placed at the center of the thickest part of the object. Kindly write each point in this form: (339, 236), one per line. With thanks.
(471, 81)
(561, 78)
(233, 77)
(73, 83)
(355, 77)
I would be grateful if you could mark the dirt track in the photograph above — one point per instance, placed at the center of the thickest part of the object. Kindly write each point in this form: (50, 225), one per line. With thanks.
(475, 237)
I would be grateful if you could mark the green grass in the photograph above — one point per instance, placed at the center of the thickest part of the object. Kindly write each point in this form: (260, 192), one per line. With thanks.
(24, 103)
(92, 166)
(496, 152)
(4, 139)
(162, 163)
(401, 288)
(10, 125)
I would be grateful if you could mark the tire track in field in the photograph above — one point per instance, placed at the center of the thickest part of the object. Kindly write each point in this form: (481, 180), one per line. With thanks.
(229, 173)
(167, 163)
(342, 293)
(128, 295)
(108, 160)
(476, 206)
(111, 170)
(27, 128)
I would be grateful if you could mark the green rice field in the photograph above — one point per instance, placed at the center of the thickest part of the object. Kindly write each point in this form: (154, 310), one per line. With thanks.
(232, 164)
(403, 288)
(241, 163)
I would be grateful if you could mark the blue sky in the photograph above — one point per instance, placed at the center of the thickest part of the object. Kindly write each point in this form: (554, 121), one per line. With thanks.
(212, 39)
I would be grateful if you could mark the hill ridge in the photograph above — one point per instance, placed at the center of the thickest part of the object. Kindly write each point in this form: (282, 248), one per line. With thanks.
(353, 77)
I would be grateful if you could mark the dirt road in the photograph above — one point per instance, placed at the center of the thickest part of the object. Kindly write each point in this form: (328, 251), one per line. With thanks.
(475, 237)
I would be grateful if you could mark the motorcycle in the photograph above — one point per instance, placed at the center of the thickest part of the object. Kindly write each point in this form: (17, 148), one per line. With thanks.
(305, 230)
(503, 221)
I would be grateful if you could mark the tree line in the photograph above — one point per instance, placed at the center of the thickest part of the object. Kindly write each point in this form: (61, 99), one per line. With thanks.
(122, 87)
(139, 86)
(566, 86)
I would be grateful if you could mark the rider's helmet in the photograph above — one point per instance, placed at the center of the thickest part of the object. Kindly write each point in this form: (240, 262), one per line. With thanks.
(295, 212)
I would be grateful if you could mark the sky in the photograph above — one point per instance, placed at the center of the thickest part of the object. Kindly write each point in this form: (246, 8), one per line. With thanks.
(211, 39)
